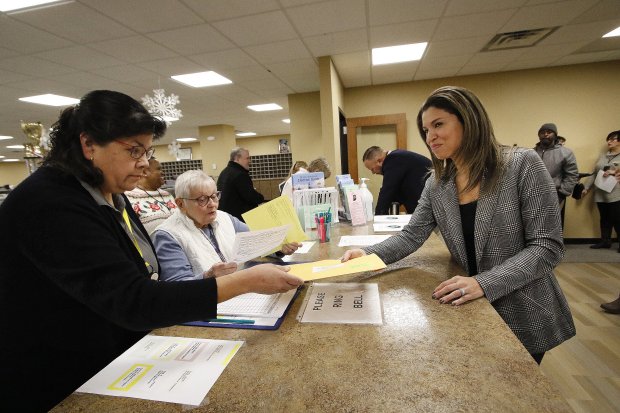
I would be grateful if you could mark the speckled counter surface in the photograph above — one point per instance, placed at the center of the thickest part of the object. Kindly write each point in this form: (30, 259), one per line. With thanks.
(426, 357)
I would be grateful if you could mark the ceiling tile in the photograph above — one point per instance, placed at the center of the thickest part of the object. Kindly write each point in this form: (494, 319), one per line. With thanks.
(228, 9)
(146, 16)
(396, 11)
(460, 7)
(21, 38)
(319, 18)
(299, 67)
(224, 59)
(445, 63)
(79, 57)
(401, 72)
(257, 29)
(197, 39)
(329, 44)
(9, 77)
(171, 67)
(403, 33)
(435, 74)
(601, 11)
(87, 25)
(125, 73)
(473, 25)
(134, 49)
(579, 32)
(546, 15)
(279, 51)
(33, 66)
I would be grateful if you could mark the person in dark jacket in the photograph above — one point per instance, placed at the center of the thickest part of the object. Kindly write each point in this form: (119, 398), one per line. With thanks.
(238, 193)
(404, 174)
(78, 272)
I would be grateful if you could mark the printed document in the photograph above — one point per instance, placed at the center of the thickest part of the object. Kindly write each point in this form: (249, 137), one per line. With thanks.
(350, 303)
(254, 244)
(403, 219)
(361, 240)
(167, 369)
(388, 226)
(277, 212)
(606, 183)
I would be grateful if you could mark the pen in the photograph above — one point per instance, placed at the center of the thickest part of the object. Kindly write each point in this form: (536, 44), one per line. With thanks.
(229, 321)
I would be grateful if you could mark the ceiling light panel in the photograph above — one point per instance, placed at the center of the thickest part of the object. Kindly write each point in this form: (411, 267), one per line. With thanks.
(51, 100)
(613, 33)
(398, 54)
(6, 5)
(202, 79)
(264, 107)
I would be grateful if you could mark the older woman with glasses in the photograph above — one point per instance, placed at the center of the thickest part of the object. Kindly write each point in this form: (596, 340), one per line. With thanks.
(78, 273)
(197, 240)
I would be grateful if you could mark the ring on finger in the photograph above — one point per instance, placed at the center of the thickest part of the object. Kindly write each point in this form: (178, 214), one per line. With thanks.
(462, 290)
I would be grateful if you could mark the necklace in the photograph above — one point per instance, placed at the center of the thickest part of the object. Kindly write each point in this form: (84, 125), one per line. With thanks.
(157, 201)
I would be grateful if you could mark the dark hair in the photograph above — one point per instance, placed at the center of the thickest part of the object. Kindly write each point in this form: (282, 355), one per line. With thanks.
(613, 135)
(103, 115)
(479, 149)
(372, 152)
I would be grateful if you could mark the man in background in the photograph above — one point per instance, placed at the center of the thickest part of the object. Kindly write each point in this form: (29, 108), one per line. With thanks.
(238, 193)
(559, 160)
(404, 174)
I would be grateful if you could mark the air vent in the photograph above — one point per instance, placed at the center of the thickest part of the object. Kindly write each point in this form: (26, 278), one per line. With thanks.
(515, 40)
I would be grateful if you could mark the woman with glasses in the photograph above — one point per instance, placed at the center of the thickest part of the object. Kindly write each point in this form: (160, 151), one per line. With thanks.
(78, 273)
(197, 240)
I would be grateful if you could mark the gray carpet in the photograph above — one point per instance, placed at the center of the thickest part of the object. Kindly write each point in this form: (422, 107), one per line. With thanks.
(583, 253)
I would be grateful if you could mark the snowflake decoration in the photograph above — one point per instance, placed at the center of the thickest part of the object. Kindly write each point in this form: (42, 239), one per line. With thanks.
(173, 149)
(163, 106)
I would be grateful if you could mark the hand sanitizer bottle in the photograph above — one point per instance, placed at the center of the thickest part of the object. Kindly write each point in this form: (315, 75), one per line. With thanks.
(367, 199)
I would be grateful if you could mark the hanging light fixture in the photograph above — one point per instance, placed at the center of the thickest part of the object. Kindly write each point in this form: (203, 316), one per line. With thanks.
(163, 106)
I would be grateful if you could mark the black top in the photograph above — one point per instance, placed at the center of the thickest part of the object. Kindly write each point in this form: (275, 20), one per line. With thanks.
(404, 174)
(74, 290)
(468, 220)
(238, 193)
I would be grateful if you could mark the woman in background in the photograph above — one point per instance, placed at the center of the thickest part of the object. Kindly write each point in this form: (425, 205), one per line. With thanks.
(608, 203)
(77, 269)
(497, 211)
(152, 204)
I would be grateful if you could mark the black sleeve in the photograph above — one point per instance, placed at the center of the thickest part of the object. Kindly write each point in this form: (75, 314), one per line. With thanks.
(83, 251)
(392, 177)
(246, 190)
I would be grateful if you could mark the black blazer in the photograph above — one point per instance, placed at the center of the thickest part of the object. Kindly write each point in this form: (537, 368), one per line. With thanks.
(238, 193)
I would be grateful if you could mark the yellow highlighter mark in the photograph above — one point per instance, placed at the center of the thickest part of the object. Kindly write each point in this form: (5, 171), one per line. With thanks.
(130, 377)
(231, 354)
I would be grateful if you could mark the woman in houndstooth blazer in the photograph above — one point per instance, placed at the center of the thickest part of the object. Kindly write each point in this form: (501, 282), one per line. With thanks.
(497, 210)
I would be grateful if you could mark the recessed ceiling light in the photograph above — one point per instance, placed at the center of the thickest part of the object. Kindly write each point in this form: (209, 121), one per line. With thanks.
(2, 156)
(15, 147)
(265, 107)
(4, 137)
(22, 4)
(246, 134)
(186, 139)
(397, 54)
(615, 32)
(286, 120)
(11, 160)
(51, 100)
(202, 79)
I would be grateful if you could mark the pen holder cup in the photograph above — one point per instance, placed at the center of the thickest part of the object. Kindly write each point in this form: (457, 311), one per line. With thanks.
(323, 226)
(325, 237)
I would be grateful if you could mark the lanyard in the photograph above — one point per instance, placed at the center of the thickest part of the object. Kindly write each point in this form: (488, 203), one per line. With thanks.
(135, 241)
(211, 238)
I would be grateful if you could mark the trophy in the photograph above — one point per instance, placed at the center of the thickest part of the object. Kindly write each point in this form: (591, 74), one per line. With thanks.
(34, 132)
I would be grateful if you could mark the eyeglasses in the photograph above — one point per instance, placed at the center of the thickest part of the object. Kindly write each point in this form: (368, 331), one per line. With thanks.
(137, 151)
(204, 200)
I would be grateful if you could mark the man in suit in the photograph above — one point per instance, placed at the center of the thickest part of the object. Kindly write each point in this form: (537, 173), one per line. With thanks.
(238, 193)
(404, 174)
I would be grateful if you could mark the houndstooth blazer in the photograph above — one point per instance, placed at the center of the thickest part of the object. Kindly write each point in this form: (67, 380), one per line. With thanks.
(518, 240)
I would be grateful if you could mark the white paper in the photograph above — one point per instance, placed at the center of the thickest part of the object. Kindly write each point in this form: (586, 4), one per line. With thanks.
(256, 305)
(305, 247)
(361, 240)
(404, 219)
(350, 303)
(388, 226)
(167, 369)
(606, 183)
(254, 244)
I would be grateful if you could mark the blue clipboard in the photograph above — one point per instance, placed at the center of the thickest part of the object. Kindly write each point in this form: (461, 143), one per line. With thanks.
(246, 326)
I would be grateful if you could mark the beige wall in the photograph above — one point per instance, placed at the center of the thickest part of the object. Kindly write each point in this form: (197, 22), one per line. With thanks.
(306, 133)
(263, 145)
(580, 99)
(12, 173)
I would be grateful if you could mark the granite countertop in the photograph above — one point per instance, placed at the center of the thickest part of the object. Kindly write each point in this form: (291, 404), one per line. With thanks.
(426, 357)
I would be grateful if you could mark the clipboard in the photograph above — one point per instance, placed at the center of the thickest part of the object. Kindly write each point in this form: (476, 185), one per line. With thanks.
(270, 326)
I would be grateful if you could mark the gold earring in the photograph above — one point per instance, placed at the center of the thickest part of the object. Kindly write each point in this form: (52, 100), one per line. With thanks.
(92, 158)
